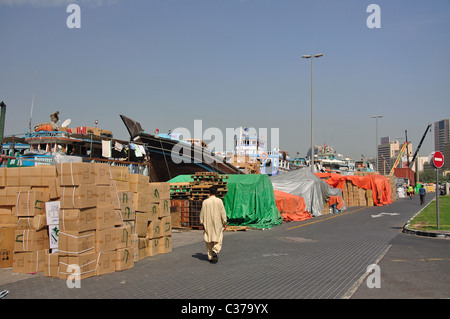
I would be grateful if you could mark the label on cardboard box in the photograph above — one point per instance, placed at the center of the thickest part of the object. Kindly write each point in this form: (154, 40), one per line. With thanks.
(52, 212)
(53, 231)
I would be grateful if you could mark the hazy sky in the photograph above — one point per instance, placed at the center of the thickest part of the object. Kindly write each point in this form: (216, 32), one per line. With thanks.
(229, 63)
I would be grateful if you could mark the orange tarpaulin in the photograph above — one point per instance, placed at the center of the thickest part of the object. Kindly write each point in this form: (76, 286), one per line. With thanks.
(46, 127)
(336, 200)
(381, 190)
(291, 207)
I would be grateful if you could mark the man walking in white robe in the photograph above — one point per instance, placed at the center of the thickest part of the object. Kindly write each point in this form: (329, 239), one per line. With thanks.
(214, 218)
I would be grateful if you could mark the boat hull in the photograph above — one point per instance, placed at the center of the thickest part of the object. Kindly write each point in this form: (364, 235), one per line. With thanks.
(170, 158)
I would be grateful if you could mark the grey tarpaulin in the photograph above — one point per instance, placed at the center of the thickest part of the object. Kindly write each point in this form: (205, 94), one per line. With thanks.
(304, 183)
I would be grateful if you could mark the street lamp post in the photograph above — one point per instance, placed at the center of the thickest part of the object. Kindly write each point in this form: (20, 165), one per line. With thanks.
(312, 105)
(376, 139)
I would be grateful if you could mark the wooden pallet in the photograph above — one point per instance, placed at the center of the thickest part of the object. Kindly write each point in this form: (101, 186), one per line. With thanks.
(237, 228)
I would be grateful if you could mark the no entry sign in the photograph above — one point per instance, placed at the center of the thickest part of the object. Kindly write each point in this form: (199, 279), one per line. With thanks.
(438, 159)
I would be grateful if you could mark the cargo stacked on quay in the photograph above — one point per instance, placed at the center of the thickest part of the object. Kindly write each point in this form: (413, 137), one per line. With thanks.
(96, 216)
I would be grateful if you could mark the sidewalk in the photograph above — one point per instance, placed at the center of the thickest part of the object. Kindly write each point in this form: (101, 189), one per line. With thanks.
(320, 258)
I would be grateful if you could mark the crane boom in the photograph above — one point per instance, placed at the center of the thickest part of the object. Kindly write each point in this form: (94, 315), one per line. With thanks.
(2, 122)
(420, 144)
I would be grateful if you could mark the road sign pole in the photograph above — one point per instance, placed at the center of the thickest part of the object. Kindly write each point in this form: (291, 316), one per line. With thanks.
(437, 197)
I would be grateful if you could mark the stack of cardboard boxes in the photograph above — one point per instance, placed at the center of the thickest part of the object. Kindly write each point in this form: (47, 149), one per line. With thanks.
(83, 214)
(355, 196)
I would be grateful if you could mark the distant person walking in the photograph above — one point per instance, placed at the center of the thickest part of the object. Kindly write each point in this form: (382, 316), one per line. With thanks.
(410, 191)
(422, 193)
(213, 218)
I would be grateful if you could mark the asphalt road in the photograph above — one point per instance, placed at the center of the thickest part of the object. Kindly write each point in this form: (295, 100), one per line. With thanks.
(322, 258)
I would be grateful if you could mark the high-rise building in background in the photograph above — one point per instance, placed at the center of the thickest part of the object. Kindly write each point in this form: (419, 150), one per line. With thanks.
(388, 152)
(441, 134)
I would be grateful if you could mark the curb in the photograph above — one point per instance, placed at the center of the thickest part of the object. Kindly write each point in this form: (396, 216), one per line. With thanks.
(433, 234)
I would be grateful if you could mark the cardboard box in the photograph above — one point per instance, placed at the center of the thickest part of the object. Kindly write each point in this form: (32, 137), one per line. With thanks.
(37, 222)
(51, 264)
(73, 243)
(124, 258)
(141, 202)
(123, 235)
(13, 176)
(82, 196)
(166, 226)
(135, 246)
(118, 221)
(7, 238)
(2, 176)
(165, 245)
(30, 240)
(154, 229)
(120, 178)
(30, 262)
(75, 174)
(121, 199)
(128, 213)
(105, 217)
(37, 175)
(154, 213)
(106, 262)
(31, 203)
(139, 183)
(103, 194)
(144, 248)
(85, 266)
(101, 174)
(9, 195)
(153, 246)
(164, 208)
(7, 216)
(159, 191)
(78, 220)
(130, 223)
(105, 239)
(141, 224)
(120, 173)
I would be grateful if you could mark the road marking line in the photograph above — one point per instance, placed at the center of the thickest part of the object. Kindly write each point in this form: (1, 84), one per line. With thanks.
(321, 220)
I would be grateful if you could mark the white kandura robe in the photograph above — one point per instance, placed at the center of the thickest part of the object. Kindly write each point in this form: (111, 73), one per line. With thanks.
(213, 217)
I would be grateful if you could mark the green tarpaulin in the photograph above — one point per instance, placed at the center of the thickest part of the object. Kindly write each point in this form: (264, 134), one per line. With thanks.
(250, 200)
